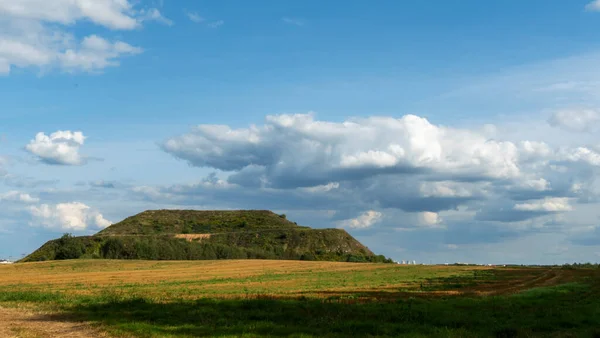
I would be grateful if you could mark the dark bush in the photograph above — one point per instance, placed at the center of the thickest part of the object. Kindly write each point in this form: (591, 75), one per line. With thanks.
(70, 247)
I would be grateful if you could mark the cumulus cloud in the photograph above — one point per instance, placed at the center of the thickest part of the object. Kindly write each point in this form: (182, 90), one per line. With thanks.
(593, 6)
(547, 205)
(405, 163)
(582, 120)
(113, 14)
(314, 151)
(581, 154)
(420, 172)
(444, 189)
(35, 33)
(61, 147)
(16, 196)
(95, 53)
(74, 216)
(429, 219)
(363, 221)
(535, 212)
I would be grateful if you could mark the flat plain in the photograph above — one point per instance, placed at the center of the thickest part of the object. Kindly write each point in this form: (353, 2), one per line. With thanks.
(276, 298)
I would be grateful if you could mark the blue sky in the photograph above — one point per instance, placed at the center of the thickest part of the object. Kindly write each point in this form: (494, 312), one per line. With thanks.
(435, 131)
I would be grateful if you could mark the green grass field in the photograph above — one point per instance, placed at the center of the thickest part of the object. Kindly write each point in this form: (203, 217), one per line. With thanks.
(261, 298)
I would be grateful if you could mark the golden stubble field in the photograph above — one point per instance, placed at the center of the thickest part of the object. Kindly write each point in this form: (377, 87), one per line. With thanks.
(230, 279)
(254, 298)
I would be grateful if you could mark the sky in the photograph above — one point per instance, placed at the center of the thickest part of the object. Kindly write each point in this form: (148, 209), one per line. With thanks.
(435, 131)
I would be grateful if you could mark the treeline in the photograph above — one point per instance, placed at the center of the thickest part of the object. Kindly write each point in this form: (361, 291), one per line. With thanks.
(169, 248)
(580, 266)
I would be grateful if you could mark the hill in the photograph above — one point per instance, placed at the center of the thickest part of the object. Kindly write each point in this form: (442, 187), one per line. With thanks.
(197, 235)
(160, 222)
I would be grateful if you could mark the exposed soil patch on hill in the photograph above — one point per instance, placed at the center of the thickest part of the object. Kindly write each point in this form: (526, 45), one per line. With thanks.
(193, 237)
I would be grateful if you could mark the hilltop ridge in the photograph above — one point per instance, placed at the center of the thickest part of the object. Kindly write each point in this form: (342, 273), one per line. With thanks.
(209, 234)
(160, 222)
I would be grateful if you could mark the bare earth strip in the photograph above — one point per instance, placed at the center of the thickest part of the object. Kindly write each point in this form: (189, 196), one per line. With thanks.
(26, 324)
(192, 237)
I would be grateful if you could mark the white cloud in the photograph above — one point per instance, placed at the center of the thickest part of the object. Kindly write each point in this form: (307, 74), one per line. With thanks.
(293, 21)
(16, 196)
(151, 192)
(429, 219)
(581, 154)
(216, 24)
(539, 184)
(61, 147)
(534, 150)
(95, 53)
(74, 216)
(114, 14)
(195, 17)
(323, 187)
(580, 120)
(299, 145)
(154, 14)
(363, 221)
(406, 164)
(445, 189)
(593, 6)
(557, 204)
(36, 33)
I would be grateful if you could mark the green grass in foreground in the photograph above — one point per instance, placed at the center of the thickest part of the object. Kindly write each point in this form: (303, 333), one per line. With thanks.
(566, 310)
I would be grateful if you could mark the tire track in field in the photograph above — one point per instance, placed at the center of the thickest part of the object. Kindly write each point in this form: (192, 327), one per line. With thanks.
(548, 278)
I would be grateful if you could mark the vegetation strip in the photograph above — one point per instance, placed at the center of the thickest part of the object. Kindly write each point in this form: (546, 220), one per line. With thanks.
(310, 299)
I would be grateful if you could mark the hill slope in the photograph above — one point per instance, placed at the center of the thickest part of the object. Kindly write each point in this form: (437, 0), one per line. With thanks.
(192, 235)
(160, 222)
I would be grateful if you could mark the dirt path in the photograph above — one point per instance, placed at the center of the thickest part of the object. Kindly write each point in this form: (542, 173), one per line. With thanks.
(26, 324)
(546, 278)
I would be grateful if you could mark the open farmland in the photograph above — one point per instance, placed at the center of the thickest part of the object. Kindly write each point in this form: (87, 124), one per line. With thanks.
(279, 298)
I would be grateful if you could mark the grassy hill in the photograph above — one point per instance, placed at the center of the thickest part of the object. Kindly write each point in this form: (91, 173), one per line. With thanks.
(197, 235)
(160, 222)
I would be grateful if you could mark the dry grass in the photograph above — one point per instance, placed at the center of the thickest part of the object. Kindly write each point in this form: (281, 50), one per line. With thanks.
(197, 279)
(193, 237)
(24, 323)
(166, 298)
(107, 271)
(274, 278)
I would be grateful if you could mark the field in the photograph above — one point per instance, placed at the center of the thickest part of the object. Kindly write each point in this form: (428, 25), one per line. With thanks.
(253, 298)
